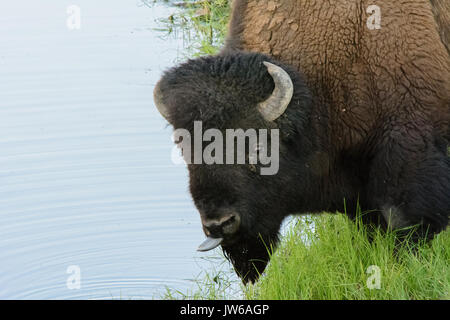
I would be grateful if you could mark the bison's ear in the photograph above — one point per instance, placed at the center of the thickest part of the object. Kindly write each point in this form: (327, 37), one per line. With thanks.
(158, 99)
(272, 108)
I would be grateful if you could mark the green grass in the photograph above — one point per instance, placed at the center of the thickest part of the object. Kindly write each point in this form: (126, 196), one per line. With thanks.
(333, 259)
(202, 24)
(321, 257)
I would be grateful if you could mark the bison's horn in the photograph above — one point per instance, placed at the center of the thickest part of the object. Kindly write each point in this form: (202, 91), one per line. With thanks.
(157, 98)
(278, 102)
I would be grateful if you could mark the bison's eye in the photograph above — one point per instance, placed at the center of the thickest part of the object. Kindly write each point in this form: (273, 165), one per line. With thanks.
(254, 152)
(253, 156)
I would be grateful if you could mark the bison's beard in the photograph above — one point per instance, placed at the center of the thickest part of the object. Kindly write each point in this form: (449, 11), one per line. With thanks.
(250, 256)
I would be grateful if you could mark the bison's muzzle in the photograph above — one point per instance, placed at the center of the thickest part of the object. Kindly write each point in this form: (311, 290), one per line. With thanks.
(219, 231)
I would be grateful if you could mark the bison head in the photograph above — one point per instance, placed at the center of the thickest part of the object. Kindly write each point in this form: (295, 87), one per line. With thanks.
(240, 209)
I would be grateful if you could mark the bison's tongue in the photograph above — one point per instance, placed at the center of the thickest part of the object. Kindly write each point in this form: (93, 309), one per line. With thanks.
(209, 244)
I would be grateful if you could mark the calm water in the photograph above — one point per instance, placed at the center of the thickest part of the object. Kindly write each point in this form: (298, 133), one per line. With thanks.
(86, 177)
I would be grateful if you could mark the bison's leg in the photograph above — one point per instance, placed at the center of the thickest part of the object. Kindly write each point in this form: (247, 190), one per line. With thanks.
(409, 183)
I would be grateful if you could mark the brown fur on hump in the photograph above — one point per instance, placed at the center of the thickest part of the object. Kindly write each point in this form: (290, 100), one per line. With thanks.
(398, 73)
(441, 11)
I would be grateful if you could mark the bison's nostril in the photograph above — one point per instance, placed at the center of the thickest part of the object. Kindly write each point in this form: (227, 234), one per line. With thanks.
(231, 225)
(224, 226)
(213, 230)
(230, 220)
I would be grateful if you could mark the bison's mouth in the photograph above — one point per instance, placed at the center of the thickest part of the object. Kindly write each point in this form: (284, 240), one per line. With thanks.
(249, 258)
(247, 249)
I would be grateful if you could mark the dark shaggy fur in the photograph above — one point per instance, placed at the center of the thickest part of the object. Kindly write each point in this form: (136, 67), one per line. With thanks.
(364, 125)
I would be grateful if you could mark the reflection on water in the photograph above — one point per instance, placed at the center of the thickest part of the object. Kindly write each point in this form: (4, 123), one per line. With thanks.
(85, 172)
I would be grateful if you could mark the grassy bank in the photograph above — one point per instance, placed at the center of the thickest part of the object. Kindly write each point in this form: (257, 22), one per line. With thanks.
(320, 257)
(330, 257)
(335, 260)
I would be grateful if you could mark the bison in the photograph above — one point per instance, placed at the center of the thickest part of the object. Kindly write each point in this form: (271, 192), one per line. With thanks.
(363, 115)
